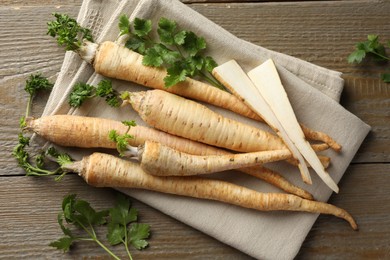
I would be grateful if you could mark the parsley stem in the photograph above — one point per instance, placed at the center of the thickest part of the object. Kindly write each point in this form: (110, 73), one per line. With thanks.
(92, 234)
(380, 55)
(126, 242)
(106, 249)
(29, 103)
(211, 81)
(35, 171)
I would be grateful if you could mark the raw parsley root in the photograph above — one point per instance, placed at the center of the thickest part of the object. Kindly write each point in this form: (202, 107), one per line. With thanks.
(161, 160)
(103, 170)
(373, 48)
(186, 118)
(82, 91)
(95, 135)
(120, 220)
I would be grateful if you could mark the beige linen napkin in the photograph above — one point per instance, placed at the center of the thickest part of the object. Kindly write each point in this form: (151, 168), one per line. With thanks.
(313, 91)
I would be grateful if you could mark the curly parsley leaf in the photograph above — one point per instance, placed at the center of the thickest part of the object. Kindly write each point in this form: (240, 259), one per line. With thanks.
(83, 91)
(122, 141)
(104, 89)
(68, 32)
(34, 84)
(23, 158)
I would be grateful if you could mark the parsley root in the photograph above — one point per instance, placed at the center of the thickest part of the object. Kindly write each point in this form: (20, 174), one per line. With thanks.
(178, 116)
(95, 135)
(162, 160)
(102, 170)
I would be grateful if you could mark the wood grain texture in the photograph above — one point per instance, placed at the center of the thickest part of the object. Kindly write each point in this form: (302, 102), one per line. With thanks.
(320, 32)
(29, 218)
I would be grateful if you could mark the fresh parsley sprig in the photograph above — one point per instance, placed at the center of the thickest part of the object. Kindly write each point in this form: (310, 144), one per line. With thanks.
(122, 227)
(122, 141)
(24, 159)
(179, 51)
(34, 84)
(373, 48)
(83, 91)
(68, 32)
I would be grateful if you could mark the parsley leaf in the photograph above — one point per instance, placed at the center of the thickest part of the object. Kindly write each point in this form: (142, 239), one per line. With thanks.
(138, 233)
(122, 229)
(83, 91)
(166, 30)
(385, 77)
(179, 51)
(34, 84)
(122, 141)
(176, 73)
(22, 156)
(104, 89)
(124, 25)
(370, 48)
(63, 243)
(120, 220)
(80, 213)
(142, 27)
(152, 58)
(68, 32)
(136, 44)
(193, 44)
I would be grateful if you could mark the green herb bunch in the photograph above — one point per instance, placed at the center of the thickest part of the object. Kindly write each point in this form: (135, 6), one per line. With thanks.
(68, 32)
(38, 165)
(179, 51)
(121, 222)
(371, 48)
(121, 141)
(82, 91)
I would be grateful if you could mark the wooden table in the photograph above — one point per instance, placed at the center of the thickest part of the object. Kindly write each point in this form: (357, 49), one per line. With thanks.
(323, 33)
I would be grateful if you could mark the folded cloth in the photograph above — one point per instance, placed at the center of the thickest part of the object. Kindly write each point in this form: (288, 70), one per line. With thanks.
(313, 92)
